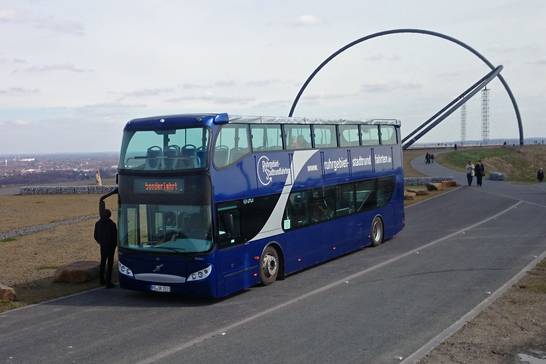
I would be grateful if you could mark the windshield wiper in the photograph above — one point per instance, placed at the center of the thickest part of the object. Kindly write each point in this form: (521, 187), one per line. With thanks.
(176, 250)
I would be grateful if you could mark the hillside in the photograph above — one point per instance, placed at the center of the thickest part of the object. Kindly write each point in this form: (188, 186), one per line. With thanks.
(519, 164)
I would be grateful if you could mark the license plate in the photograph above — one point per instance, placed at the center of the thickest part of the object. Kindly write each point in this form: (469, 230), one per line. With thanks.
(157, 288)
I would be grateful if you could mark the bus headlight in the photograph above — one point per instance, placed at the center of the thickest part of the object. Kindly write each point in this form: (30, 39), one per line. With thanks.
(200, 274)
(125, 270)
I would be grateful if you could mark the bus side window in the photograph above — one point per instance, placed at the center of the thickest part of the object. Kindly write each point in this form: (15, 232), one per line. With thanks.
(366, 196)
(348, 136)
(370, 134)
(297, 212)
(229, 225)
(345, 202)
(266, 137)
(231, 144)
(388, 135)
(385, 188)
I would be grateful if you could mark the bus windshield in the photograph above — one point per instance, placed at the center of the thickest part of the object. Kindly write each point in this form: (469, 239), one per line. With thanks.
(165, 228)
(176, 149)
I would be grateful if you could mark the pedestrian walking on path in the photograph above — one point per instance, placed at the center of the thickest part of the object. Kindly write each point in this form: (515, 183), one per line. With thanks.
(479, 171)
(106, 236)
(540, 175)
(427, 158)
(469, 172)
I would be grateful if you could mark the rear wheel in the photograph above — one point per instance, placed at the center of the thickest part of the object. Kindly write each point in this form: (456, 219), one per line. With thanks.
(376, 233)
(269, 266)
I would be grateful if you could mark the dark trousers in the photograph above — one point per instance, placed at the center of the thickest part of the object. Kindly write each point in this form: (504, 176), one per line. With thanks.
(106, 261)
(479, 179)
(469, 179)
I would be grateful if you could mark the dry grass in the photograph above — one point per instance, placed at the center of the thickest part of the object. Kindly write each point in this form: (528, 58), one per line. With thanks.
(410, 155)
(517, 163)
(34, 257)
(21, 211)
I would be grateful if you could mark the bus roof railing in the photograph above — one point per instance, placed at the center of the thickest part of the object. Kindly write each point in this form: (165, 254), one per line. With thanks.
(243, 119)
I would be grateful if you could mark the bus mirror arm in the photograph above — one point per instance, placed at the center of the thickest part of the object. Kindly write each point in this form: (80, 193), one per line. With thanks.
(102, 204)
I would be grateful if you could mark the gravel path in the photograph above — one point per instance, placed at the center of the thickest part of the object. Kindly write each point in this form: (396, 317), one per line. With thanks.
(27, 230)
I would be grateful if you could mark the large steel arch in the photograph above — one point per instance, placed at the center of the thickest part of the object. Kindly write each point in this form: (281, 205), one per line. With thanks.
(414, 31)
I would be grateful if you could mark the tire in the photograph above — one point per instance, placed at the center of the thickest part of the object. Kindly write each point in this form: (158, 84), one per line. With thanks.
(269, 266)
(377, 231)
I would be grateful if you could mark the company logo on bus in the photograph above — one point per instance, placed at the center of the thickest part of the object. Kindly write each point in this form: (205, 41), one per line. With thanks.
(267, 169)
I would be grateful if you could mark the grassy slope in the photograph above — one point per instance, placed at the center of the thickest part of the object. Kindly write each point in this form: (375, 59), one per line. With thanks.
(518, 164)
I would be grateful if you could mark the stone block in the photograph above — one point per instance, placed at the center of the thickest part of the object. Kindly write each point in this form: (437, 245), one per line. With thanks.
(449, 183)
(77, 272)
(434, 186)
(409, 195)
(422, 193)
(7, 294)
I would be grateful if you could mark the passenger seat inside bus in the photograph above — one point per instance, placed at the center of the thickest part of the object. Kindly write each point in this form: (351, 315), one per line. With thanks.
(171, 156)
(153, 157)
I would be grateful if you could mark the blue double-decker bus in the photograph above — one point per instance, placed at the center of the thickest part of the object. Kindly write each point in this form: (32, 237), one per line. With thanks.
(211, 204)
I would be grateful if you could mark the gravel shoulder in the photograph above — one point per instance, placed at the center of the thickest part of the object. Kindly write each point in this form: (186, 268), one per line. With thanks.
(510, 328)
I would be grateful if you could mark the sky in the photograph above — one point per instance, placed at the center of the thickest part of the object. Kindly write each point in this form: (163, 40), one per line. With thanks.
(72, 73)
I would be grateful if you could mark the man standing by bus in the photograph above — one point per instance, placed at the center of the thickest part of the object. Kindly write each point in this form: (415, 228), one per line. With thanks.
(106, 236)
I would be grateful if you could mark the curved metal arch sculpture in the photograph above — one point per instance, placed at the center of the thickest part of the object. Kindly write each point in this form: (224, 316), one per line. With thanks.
(414, 31)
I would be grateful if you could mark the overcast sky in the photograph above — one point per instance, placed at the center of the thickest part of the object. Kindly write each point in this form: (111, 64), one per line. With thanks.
(73, 72)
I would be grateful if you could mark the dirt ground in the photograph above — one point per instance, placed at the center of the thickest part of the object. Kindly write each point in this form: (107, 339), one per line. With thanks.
(21, 211)
(514, 324)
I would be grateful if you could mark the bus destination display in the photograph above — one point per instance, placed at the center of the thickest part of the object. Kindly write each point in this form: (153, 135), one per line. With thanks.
(159, 185)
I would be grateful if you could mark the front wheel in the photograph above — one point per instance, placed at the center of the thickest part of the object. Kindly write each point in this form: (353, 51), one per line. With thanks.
(377, 230)
(269, 266)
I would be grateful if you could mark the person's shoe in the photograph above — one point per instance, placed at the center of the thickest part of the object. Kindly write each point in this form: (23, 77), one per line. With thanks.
(110, 285)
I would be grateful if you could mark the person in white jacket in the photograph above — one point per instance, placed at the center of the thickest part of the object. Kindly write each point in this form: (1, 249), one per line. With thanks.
(469, 172)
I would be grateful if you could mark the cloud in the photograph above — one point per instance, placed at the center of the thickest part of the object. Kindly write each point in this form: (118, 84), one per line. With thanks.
(198, 86)
(148, 92)
(213, 99)
(50, 23)
(379, 57)
(17, 91)
(265, 83)
(54, 68)
(541, 62)
(307, 20)
(515, 49)
(14, 123)
(389, 87)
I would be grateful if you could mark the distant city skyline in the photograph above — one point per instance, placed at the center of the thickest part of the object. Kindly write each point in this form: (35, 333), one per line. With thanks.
(73, 73)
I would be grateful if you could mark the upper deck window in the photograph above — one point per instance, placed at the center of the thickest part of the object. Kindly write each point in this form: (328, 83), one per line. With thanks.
(388, 135)
(370, 134)
(297, 136)
(163, 150)
(266, 137)
(325, 136)
(231, 144)
(348, 136)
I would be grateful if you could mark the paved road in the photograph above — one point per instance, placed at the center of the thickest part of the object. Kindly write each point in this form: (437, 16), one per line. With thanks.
(371, 306)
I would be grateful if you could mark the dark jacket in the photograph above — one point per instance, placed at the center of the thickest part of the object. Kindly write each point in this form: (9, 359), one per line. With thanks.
(106, 233)
(479, 169)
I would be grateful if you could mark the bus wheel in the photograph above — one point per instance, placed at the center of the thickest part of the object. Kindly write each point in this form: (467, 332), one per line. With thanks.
(269, 266)
(377, 231)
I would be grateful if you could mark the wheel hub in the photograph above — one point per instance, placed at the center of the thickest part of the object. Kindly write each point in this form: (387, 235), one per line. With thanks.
(269, 265)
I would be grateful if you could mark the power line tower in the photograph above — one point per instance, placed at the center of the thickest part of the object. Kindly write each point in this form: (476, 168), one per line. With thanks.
(485, 115)
(463, 124)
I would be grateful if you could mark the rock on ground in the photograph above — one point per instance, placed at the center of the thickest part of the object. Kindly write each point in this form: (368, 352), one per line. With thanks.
(435, 186)
(409, 195)
(77, 272)
(7, 294)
